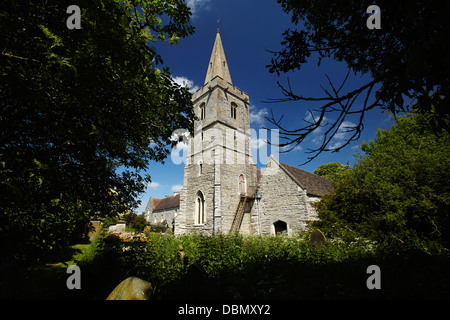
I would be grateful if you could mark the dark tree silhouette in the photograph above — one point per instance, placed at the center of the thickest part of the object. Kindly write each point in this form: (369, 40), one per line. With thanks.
(406, 58)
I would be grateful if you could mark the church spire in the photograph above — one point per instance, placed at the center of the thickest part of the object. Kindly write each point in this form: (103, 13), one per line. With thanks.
(218, 63)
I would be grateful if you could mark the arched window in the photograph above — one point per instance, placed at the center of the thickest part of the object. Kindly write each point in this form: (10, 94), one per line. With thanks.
(202, 111)
(280, 227)
(233, 110)
(199, 213)
(241, 184)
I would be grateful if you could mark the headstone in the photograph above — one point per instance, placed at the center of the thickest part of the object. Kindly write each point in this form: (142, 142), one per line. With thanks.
(182, 257)
(317, 239)
(112, 228)
(120, 226)
(132, 288)
(197, 283)
(96, 229)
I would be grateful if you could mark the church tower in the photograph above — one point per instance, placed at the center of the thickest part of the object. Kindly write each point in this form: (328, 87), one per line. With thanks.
(219, 174)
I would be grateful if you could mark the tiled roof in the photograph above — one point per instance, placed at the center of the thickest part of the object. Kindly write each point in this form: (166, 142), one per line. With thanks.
(314, 184)
(166, 203)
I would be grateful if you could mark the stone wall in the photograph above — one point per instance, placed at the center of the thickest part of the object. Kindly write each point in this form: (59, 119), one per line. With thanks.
(193, 183)
(159, 216)
(218, 153)
(230, 194)
(282, 200)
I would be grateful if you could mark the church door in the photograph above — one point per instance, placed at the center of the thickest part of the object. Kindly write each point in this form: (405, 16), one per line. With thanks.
(241, 184)
(280, 227)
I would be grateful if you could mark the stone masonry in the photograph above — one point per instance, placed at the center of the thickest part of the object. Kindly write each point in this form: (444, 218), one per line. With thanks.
(223, 191)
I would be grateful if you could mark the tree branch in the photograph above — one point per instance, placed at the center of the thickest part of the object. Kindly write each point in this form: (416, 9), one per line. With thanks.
(344, 105)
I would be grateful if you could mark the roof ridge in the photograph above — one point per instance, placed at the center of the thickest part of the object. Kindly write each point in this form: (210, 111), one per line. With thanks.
(167, 202)
(311, 182)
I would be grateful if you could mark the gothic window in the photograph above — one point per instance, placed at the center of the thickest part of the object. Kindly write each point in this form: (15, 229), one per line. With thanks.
(241, 184)
(202, 111)
(233, 110)
(199, 215)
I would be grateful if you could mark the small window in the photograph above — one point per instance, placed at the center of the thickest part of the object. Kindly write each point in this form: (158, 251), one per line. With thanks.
(202, 111)
(233, 110)
(200, 169)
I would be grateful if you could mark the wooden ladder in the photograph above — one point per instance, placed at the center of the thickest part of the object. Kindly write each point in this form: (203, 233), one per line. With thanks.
(239, 214)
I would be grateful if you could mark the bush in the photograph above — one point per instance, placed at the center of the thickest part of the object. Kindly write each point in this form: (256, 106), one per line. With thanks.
(255, 267)
(139, 223)
(161, 227)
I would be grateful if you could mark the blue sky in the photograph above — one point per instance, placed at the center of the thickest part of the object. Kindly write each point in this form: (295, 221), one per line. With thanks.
(248, 28)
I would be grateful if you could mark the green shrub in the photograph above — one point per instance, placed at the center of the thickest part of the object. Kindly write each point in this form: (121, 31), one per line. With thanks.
(139, 223)
(281, 267)
(161, 227)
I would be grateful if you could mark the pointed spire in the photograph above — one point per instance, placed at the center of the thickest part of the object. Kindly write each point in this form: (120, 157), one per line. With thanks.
(218, 63)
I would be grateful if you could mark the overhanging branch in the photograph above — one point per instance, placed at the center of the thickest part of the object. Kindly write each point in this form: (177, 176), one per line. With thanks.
(343, 105)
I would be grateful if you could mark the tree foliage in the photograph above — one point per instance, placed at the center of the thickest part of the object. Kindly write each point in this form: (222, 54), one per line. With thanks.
(406, 60)
(333, 170)
(76, 105)
(399, 188)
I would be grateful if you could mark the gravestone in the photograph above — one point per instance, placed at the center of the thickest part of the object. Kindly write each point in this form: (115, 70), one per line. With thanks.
(197, 282)
(181, 255)
(132, 288)
(120, 226)
(96, 229)
(317, 239)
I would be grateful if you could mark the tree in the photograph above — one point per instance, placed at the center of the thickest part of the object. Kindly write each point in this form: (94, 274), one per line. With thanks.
(77, 105)
(406, 60)
(333, 170)
(398, 190)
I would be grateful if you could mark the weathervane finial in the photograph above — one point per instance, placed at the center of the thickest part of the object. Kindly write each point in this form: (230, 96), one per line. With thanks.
(218, 22)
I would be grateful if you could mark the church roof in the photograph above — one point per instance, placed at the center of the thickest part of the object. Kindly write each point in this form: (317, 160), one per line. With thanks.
(314, 184)
(168, 202)
(218, 63)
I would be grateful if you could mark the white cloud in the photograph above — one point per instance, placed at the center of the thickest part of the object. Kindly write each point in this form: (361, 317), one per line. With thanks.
(316, 135)
(154, 185)
(197, 5)
(180, 133)
(296, 148)
(185, 82)
(257, 115)
(341, 135)
(257, 143)
(176, 187)
(180, 151)
(338, 139)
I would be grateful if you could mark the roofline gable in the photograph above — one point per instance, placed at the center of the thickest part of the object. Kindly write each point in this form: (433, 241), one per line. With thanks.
(320, 185)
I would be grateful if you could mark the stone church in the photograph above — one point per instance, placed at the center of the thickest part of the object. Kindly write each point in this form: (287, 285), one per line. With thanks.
(223, 190)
